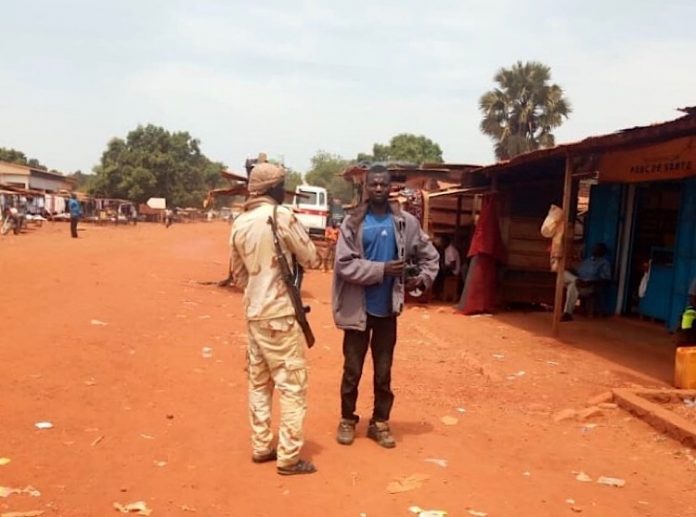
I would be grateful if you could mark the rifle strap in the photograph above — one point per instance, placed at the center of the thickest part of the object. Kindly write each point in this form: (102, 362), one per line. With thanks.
(275, 221)
(275, 224)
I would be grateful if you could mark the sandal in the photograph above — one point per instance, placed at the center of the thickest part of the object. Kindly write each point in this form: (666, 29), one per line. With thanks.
(265, 458)
(301, 467)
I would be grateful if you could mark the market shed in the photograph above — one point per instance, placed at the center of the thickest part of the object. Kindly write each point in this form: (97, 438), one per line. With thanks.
(633, 190)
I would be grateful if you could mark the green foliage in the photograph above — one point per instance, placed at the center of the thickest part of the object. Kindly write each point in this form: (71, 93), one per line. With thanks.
(152, 162)
(521, 112)
(292, 179)
(325, 171)
(405, 147)
(12, 156)
(84, 181)
(15, 156)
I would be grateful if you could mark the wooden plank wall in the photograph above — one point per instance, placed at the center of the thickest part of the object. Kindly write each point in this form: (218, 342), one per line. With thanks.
(443, 214)
(527, 277)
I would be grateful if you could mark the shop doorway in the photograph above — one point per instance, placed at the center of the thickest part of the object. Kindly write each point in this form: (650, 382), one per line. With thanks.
(650, 273)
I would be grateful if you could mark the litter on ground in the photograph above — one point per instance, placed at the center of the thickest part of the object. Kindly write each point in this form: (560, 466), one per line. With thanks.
(406, 484)
(137, 508)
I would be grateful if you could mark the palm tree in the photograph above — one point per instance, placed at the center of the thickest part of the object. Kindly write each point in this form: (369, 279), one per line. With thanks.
(520, 114)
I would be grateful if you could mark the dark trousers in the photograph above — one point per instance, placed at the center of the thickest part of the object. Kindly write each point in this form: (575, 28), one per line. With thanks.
(73, 227)
(380, 337)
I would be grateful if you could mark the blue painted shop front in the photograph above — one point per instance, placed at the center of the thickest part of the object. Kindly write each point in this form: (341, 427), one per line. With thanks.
(647, 227)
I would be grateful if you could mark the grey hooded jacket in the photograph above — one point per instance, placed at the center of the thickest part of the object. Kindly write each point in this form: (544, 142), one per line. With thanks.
(353, 272)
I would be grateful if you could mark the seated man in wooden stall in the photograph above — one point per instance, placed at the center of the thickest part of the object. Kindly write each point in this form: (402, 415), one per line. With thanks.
(588, 280)
(450, 268)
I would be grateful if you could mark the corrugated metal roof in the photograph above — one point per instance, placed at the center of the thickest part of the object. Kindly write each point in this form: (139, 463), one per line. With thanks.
(234, 176)
(27, 170)
(458, 191)
(425, 169)
(21, 190)
(14, 168)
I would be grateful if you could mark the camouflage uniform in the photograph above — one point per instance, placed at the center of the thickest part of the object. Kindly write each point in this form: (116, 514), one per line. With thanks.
(276, 344)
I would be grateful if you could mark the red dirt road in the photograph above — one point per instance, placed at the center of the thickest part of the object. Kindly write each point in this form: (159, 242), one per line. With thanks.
(102, 336)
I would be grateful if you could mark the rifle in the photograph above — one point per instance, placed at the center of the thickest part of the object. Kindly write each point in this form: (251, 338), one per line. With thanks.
(292, 287)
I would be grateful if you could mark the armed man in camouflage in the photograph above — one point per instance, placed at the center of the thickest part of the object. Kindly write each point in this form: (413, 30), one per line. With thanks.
(276, 343)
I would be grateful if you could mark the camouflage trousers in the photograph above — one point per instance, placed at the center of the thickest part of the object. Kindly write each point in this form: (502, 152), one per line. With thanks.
(276, 360)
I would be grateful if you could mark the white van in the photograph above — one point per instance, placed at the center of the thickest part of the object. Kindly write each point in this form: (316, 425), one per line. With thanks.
(311, 207)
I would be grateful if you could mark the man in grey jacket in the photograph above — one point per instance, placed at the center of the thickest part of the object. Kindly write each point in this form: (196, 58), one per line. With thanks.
(381, 252)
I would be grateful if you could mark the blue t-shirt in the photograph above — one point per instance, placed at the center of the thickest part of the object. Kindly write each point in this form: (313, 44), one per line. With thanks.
(379, 243)
(594, 268)
(74, 207)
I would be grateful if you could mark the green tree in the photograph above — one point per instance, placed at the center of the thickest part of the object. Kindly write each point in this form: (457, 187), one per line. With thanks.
(325, 171)
(152, 162)
(12, 156)
(405, 147)
(15, 156)
(84, 181)
(521, 112)
(292, 179)
(36, 164)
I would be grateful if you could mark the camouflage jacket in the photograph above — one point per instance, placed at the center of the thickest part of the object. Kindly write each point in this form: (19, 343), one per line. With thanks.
(254, 263)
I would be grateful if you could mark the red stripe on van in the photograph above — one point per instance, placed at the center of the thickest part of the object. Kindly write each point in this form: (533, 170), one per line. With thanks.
(310, 211)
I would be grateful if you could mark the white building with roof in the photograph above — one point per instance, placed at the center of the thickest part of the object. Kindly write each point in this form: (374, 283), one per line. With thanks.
(31, 178)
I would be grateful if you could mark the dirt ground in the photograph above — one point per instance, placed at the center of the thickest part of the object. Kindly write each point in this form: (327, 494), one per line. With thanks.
(684, 410)
(103, 337)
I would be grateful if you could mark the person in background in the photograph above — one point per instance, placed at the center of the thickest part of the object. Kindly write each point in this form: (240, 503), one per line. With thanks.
(330, 237)
(592, 274)
(686, 335)
(75, 214)
(452, 258)
(381, 252)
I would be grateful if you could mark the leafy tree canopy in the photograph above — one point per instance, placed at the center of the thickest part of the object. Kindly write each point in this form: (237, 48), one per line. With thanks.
(325, 171)
(405, 147)
(153, 162)
(15, 156)
(84, 181)
(521, 112)
(292, 179)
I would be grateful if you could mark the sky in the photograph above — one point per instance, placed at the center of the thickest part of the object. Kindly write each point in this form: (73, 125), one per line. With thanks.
(290, 78)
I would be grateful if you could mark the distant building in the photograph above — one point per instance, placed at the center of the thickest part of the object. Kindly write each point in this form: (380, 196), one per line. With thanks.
(30, 178)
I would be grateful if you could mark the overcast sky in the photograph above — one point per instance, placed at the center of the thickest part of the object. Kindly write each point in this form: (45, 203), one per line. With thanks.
(290, 78)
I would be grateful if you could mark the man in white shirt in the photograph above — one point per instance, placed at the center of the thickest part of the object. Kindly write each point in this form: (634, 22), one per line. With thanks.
(452, 259)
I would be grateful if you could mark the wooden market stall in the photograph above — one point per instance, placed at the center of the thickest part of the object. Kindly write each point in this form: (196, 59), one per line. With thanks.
(660, 159)
(439, 195)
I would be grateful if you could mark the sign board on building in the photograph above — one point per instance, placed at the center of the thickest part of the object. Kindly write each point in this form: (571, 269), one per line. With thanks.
(675, 159)
(157, 202)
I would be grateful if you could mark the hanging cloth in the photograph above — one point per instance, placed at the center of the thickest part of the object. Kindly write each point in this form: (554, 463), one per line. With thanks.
(487, 251)
(552, 228)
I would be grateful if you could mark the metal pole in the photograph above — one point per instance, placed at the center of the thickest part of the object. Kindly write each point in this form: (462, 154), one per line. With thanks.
(626, 236)
(567, 233)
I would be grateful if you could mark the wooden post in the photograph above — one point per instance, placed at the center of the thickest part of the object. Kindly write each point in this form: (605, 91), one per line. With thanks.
(474, 207)
(567, 229)
(426, 213)
(459, 215)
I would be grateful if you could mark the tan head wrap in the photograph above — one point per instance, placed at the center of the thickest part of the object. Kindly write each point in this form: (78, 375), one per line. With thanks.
(263, 177)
